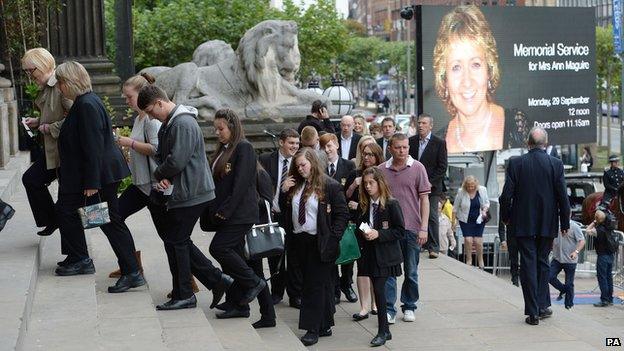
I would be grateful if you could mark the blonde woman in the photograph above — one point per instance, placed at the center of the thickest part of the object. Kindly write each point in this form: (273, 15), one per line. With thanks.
(470, 208)
(466, 75)
(364, 141)
(360, 126)
(39, 65)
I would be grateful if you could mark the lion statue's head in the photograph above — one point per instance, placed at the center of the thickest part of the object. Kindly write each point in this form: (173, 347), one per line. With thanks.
(269, 54)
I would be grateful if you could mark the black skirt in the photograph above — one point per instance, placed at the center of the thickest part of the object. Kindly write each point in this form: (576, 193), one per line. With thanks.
(367, 263)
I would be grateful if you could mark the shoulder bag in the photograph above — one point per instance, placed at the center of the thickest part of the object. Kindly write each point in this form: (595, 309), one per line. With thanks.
(264, 240)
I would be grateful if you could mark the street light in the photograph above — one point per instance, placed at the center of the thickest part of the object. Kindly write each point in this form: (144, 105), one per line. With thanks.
(341, 97)
(314, 86)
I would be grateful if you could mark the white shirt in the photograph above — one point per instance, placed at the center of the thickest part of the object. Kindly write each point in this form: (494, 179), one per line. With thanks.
(280, 163)
(423, 144)
(311, 212)
(371, 217)
(345, 146)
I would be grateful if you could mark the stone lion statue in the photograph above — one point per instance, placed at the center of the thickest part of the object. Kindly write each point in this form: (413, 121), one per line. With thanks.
(257, 80)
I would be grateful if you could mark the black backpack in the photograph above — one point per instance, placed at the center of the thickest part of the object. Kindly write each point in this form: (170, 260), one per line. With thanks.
(613, 241)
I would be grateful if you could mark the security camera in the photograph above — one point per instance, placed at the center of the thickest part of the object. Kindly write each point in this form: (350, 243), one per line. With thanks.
(407, 12)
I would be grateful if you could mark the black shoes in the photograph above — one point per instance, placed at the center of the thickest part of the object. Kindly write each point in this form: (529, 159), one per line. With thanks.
(359, 317)
(264, 323)
(219, 290)
(276, 299)
(233, 313)
(532, 320)
(310, 338)
(172, 304)
(545, 313)
(6, 214)
(47, 231)
(251, 294)
(327, 332)
(601, 304)
(337, 299)
(349, 293)
(84, 266)
(514, 280)
(381, 339)
(132, 280)
(560, 297)
(224, 306)
(295, 302)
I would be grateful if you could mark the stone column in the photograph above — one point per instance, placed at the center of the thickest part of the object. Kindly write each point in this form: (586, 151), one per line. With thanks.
(6, 96)
(77, 33)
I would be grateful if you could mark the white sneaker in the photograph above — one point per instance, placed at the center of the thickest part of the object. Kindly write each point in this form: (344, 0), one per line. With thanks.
(408, 316)
(391, 319)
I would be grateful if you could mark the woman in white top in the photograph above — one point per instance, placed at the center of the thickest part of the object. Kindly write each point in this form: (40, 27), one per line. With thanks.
(470, 208)
(142, 143)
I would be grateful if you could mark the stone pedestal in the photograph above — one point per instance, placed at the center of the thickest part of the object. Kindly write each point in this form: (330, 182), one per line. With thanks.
(14, 124)
(5, 152)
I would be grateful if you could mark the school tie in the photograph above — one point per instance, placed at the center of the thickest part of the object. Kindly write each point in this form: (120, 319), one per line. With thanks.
(375, 215)
(302, 205)
(284, 173)
(332, 170)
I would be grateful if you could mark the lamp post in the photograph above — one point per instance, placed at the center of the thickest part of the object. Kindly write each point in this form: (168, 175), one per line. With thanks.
(314, 86)
(340, 97)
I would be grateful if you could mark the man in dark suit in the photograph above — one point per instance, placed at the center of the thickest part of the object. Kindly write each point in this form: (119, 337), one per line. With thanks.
(277, 164)
(339, 169)
(535, 207)
(388, 128)
(431, 152)
(347, 139)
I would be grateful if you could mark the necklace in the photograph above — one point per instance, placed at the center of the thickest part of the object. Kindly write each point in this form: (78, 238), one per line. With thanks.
(481, 138)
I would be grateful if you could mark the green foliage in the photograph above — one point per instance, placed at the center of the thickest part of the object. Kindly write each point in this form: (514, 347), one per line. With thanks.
(608, 65)
(125, 183)
(110, 110)
(31, 90)
(360, 58)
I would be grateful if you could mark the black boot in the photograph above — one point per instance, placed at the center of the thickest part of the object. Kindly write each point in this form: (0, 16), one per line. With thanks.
(132, 280)
(219, 290)
(84, 266)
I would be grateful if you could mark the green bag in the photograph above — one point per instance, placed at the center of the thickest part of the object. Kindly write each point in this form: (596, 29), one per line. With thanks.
(349, 248)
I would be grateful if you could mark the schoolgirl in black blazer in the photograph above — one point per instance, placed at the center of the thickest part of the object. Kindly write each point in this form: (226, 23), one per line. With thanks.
(381, 252)
(315, 238)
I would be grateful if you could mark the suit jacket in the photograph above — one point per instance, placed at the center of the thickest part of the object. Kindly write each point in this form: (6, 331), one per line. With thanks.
(355, 139)
(387, 245)
(89, 156)
(331, 219)
(434, 158)
(236, 195)
(269, 161)
(534, 199)
(343, 170)
(265, 193)
(386, 152)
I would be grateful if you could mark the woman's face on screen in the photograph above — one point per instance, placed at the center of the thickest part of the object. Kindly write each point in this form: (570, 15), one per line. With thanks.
(467, 78)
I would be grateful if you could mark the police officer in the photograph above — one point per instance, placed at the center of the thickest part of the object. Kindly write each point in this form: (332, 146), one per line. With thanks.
(612, 179)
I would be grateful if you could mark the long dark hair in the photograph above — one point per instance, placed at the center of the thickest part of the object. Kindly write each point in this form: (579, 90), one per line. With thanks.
(236, 128)
(316, 178)
(384, 189)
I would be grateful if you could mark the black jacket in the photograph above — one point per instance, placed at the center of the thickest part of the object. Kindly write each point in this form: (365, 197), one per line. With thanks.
(321, 125)
(265, 193)
(89, 156)
(237, 198)
(387, 246)
(355, 139)
(534, 200)
(386, 152)
(343, 170)
(434, 158)
(603, 231)
(269, 161)
(331, 220)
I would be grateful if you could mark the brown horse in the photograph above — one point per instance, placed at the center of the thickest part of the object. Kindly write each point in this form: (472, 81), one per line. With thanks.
(591, 202)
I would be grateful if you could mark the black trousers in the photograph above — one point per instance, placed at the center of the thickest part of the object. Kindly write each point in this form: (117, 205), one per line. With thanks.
(317, 302)
(534, 272)
(183, 256)
(433, 235)
(294, 269)
(379, 289)
(132, 200)
(36, 181)
(73, 236)
(512, 248)
(227, 248)
(345, 279)
(264, 298)
(277, 267)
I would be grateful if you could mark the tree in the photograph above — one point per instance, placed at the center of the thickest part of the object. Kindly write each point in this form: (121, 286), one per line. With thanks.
(608, 68)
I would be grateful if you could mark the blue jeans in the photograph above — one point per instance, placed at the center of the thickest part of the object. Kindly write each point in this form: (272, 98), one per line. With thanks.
(568, 288)
(409, 290)
(604, 270)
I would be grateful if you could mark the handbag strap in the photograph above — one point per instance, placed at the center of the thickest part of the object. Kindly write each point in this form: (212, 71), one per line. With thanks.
(86, 197)
(146, 139)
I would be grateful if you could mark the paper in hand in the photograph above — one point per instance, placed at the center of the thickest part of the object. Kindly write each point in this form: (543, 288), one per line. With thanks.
(28, 131)
(364, 227)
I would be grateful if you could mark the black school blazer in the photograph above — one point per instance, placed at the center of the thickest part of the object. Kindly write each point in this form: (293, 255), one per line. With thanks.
(90, 158)
(387, 246)
(331, 220)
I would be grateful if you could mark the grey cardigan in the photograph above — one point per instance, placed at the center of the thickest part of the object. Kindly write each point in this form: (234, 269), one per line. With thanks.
(182, 159)
(461, 206)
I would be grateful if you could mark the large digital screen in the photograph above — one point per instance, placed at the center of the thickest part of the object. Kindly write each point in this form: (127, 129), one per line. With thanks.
(489, 74)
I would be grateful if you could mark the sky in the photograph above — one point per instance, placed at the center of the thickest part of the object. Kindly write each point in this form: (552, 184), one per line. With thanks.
(341, 5)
